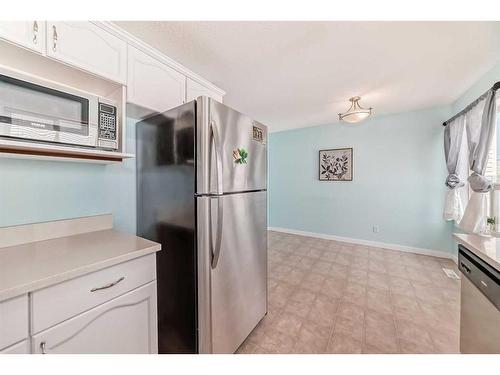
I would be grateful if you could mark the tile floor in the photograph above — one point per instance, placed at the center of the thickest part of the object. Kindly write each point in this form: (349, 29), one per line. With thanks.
(332, 297)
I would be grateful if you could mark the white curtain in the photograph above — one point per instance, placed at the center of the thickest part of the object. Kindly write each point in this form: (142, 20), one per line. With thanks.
(457, 160)
(467, 144)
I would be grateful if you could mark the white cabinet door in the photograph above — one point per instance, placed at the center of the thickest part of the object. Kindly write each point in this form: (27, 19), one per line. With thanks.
(87, 46)
(29, 34)
(152, 84)
(13, 320)
(19, 348)
(195, 89)
(124, 325)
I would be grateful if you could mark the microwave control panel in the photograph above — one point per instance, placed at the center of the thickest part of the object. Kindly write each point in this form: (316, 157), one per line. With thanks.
(107, 126)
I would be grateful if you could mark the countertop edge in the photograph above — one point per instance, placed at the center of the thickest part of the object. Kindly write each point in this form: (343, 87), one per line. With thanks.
(462, 239)
(76, 272)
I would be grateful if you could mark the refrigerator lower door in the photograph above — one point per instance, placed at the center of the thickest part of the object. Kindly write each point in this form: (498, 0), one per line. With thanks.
(232, 280)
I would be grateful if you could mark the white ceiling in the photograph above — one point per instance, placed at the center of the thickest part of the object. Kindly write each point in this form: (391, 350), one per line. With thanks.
(297, 74)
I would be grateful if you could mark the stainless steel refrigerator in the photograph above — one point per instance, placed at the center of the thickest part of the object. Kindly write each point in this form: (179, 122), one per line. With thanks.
(202, 193)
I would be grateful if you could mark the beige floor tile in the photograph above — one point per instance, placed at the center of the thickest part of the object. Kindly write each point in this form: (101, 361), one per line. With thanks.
(303, 295)
(383, 342)
(312, 338)
(323, 311)
(287, 323)
(294, 277)
(277, 342)
(409, 347)
(411, 332)
(327, 296)
(247, 348)
(349, 310)
(350, 326)
(299, 308)
(344, 344)
(333, 288)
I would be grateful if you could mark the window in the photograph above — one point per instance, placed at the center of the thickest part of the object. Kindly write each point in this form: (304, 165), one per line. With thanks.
(493, 173)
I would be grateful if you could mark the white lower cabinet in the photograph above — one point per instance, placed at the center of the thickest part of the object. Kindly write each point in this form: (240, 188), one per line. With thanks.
(126, 324)
(13, 320)
(19, 348)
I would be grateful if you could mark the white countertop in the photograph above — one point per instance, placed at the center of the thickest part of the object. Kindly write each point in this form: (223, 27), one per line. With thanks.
(28, 267)
(486, 248)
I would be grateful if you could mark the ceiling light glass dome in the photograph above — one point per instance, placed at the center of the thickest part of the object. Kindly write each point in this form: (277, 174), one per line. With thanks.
(355, 113)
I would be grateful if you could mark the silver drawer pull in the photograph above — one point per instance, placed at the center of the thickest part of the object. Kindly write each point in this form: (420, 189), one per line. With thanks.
(54, 38)
(35, 32)
(108, 285)
(43, 347)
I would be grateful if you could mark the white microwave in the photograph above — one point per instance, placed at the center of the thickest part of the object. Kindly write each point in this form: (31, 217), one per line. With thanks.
(36, 110)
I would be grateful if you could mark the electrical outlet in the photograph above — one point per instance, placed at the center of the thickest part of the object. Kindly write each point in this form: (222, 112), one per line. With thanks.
(376, 229)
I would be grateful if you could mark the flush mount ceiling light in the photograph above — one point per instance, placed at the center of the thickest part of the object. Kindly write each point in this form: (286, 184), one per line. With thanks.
(355, 113)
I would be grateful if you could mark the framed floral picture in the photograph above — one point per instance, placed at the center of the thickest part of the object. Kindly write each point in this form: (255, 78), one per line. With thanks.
(335, 165)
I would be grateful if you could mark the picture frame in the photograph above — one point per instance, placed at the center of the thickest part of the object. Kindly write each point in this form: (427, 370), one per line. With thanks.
(335, 164)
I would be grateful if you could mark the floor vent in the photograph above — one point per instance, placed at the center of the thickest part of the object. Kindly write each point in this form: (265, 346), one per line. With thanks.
(451, 273)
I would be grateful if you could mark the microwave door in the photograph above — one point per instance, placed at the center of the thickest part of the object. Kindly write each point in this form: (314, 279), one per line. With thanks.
(34, 112)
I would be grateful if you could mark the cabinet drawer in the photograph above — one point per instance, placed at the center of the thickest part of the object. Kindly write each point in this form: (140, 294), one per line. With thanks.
(62, 301)
(124, 325)
(13, 320)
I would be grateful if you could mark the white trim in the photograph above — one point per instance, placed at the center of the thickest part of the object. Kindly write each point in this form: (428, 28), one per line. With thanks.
(153, 52)
(407, 249)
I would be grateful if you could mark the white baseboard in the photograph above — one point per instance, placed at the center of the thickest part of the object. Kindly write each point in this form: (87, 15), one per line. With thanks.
(408, 249)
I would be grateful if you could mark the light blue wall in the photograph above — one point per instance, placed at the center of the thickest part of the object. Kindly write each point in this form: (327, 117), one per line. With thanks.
(477, 89)
(398, 183)
(34, 191)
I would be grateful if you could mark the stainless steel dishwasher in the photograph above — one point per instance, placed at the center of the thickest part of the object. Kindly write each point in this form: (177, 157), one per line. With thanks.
(480, 304)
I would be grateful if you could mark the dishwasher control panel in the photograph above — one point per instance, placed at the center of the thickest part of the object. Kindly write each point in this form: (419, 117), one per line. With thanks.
(481, 274)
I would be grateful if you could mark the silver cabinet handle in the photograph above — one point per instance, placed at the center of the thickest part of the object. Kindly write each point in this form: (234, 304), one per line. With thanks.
(54, 38)
(43, 347)
(108, 285)
(35, 32)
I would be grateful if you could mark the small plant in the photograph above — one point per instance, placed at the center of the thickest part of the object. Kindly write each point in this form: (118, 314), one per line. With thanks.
(491, 221)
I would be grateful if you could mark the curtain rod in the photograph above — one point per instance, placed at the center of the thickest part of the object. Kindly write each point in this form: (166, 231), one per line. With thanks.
(495, 87)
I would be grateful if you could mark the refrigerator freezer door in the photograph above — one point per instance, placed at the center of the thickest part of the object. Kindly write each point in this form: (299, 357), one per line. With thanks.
(232, 150)
(233, 292)
(166, 213)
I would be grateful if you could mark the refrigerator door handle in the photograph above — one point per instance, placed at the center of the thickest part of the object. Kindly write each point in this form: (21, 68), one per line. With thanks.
(218, 236)
(218, 156)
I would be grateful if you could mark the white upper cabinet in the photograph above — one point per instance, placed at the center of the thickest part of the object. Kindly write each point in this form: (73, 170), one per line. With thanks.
(195, 89)
(153, 84)
(86, 46)
(28, 34)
